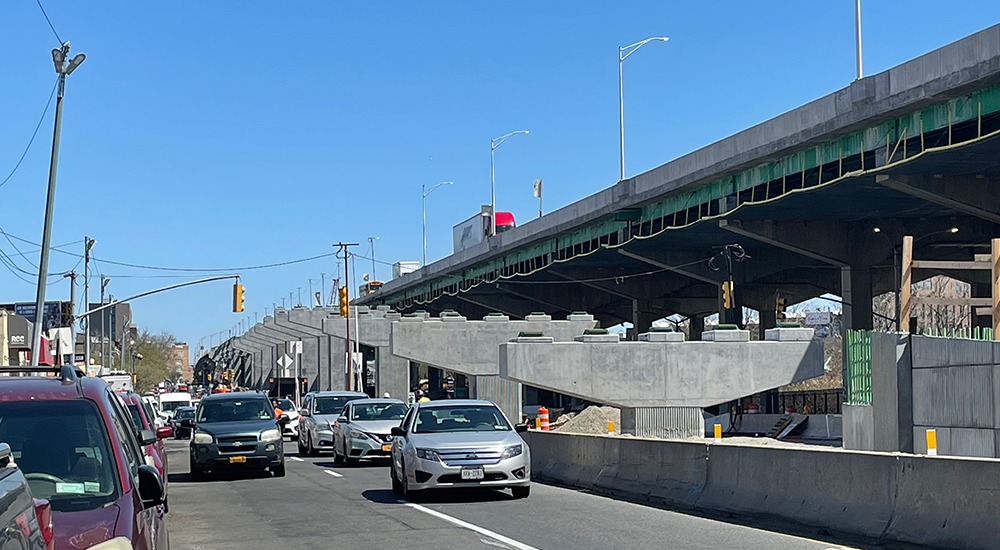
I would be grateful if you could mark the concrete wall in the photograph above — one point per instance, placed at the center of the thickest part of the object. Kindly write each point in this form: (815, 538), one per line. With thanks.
(924, 382)
(859, 428)
(956, 390)
(939, 501)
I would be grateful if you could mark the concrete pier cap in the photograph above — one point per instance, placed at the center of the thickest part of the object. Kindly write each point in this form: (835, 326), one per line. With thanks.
(665, 373)
(453, 342)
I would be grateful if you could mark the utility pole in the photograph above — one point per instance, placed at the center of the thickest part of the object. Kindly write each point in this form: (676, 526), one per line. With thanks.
(371, 244)
(64, 67)
(104, 285)
(72, 315)
(349, 380)
(88, 244)
(322, 288)
(310, 292)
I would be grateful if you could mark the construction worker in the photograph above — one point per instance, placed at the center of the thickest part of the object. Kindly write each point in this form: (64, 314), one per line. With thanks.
(277, 410)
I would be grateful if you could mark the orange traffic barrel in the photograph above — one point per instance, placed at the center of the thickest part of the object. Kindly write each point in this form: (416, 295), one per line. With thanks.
(543, 418)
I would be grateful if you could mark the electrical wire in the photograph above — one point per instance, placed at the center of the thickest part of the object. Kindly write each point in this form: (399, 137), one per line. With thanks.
(33, 134)
(49, 21)
(216, 269)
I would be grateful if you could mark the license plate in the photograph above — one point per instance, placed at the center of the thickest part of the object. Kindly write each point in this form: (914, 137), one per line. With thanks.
(386, 448)
(237, 459)
(472, 473)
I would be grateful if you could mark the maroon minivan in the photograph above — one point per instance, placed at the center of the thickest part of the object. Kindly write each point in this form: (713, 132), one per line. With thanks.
(75, 443)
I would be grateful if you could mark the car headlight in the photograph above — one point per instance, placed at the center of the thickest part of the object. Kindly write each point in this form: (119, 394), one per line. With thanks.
(270, 436)
(360, 435)
(428, 454)
(511, 451)
(202, 438)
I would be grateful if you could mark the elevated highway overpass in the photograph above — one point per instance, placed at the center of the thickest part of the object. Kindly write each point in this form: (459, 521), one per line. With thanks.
(819, 197)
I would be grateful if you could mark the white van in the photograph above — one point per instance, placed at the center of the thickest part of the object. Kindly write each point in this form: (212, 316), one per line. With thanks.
(169, 402)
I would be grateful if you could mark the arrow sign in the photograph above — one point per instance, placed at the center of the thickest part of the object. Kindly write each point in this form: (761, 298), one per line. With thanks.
(285, 361)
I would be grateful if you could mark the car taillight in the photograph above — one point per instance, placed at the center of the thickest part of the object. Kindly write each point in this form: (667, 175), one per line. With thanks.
(43, 511)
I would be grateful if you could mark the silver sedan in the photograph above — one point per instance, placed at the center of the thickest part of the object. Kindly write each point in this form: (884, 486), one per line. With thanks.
(364, 428)
(459, 443)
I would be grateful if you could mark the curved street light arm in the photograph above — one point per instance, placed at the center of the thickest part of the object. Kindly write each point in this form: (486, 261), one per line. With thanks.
(435, 186)
(495, 142)
(625, 51)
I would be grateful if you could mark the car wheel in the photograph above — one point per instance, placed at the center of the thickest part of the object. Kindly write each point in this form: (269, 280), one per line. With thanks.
(520, 492)
(310, 450)
(197, 474)
(348, 459)
(408, 494)
(279, 471)
(397, 486)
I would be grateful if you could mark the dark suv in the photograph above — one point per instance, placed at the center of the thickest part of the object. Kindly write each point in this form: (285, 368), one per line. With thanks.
(235, 431)
(25, 522)
(75, 442)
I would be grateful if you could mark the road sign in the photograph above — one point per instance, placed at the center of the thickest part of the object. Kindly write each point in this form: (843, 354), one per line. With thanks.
(814, 318)
(285, 361)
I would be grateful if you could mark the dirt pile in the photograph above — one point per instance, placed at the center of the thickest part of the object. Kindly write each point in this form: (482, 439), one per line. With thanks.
(593, 420)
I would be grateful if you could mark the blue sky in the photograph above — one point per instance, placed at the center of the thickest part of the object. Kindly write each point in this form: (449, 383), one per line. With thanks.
(225, 134)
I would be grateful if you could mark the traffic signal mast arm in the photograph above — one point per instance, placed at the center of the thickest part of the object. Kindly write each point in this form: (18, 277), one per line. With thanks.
(155, 291)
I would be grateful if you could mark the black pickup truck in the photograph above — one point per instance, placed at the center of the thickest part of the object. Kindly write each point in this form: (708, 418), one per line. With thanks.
(25, 522)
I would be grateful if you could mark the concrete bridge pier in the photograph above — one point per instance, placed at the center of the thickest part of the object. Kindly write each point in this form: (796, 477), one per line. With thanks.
(371, 328)
(317, 349)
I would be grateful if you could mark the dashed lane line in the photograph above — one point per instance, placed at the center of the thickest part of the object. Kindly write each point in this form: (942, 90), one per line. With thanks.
(296, 459)
(472, 527)
(334, 474)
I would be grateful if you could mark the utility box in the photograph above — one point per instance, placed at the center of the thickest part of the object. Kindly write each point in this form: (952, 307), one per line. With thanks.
(402, 268)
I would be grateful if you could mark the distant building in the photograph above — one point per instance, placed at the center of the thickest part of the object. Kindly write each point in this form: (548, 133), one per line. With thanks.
(182, 361)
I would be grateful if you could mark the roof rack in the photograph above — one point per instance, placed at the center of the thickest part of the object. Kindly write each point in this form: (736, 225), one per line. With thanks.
(69, 374)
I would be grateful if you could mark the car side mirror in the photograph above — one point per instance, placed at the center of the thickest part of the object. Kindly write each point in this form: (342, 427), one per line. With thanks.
(147, 437)
(398, 431)
(520, 428)
(187, 423)
(150, 486)
(164, 432)
(283, 419)
(303, 412)
(343, 420)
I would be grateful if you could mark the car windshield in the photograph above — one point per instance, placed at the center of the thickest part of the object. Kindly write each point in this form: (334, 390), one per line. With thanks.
(235, 410)
(136, 417)
(184, 414)
(285, 404)
(64, 451)
(468, 418)
(379, 411)
(170, 406)
(333, 405)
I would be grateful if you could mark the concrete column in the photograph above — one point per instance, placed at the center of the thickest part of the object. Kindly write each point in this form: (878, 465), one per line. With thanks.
(393, 373)
(981, 290)
(856, 292)
(768, 319)
(696, 327)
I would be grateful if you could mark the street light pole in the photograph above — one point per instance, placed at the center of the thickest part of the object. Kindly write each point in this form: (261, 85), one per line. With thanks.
(494, 143)
(104, 285)
(857, 36)
(623, 53)
(64, 67)
(371, 246)
(423, 208)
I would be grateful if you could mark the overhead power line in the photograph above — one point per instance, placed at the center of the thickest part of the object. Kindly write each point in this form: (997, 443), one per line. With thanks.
(49, 21)
(33, 134)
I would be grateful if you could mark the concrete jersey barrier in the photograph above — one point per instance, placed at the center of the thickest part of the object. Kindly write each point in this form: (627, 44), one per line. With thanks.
(940, 501)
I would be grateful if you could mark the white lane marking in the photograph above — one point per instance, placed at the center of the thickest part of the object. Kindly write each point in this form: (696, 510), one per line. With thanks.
(464, 524)
(296, 459)
(334, 474)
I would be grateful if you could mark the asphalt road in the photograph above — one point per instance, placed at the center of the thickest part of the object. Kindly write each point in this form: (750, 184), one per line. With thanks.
(322, 505)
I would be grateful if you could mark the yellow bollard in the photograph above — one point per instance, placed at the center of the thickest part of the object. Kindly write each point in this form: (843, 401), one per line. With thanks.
(718, 432)
(931, 442)
(538, 423)
(611, 427)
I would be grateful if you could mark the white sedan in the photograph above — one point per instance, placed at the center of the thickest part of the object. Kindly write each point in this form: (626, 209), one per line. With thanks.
(290, 429)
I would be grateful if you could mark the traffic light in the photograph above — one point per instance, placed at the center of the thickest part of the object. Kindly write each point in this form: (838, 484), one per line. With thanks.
(727, 294)
(238, 297)
(779, 307)
(345, 303)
